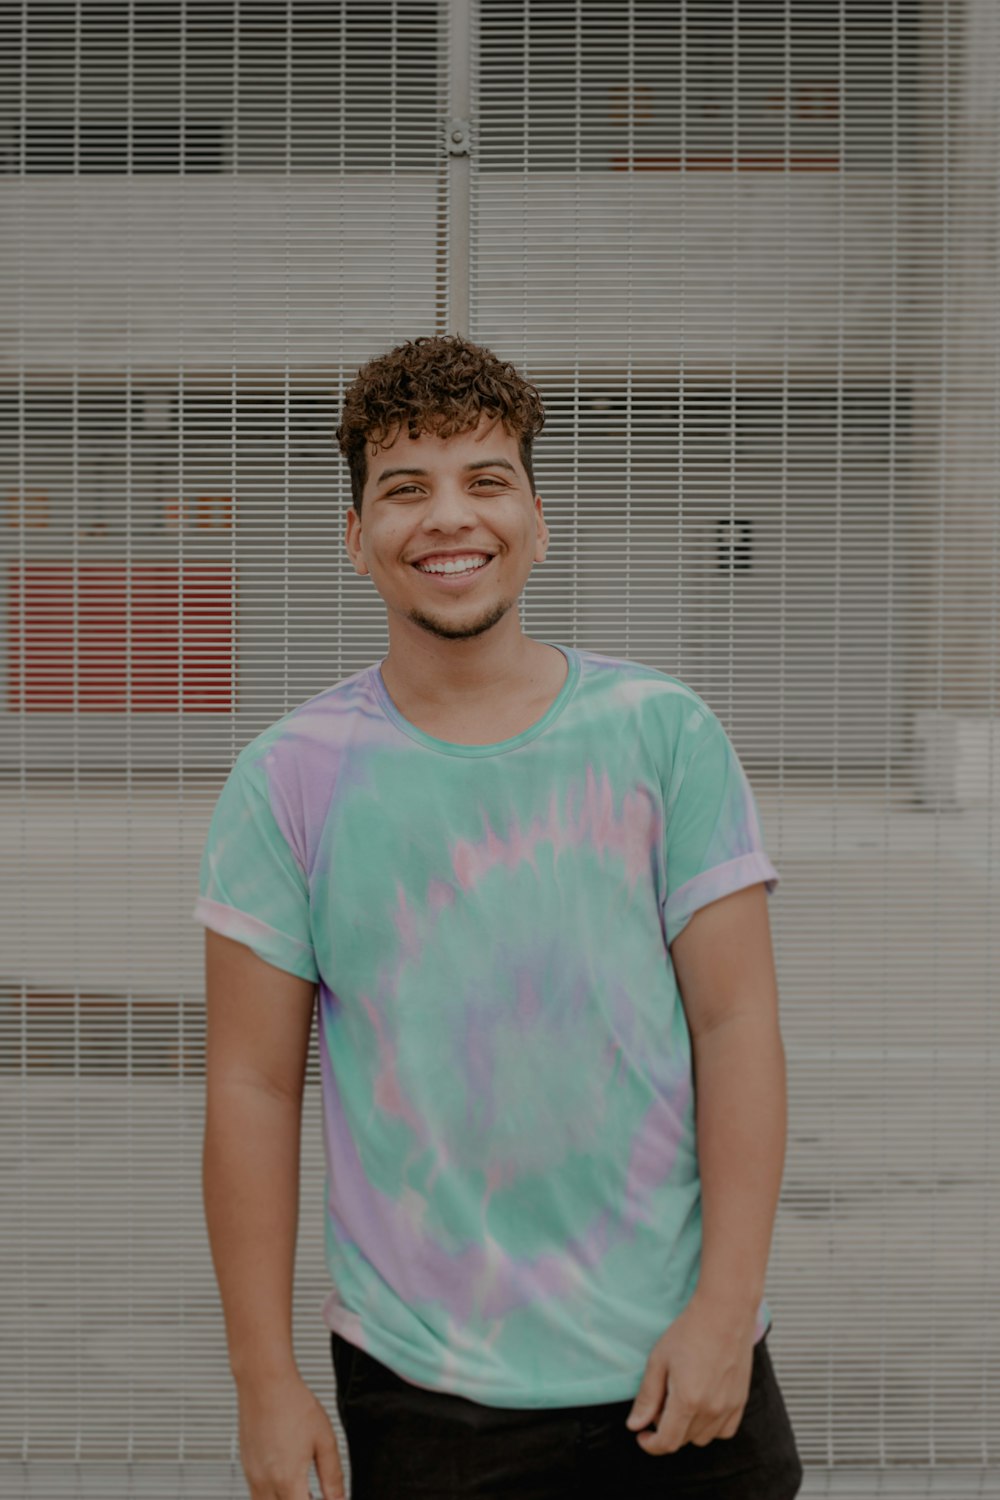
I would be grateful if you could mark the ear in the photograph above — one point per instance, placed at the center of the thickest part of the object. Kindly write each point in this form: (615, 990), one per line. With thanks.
(542, 540)
(352, 540)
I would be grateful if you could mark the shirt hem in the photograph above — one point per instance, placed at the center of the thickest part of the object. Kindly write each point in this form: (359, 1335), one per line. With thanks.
(348, 1325)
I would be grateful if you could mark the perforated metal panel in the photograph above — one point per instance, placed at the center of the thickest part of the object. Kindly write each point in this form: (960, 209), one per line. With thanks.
(748, 254)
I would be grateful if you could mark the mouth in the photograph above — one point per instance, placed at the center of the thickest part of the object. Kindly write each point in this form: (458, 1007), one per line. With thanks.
(455, 581)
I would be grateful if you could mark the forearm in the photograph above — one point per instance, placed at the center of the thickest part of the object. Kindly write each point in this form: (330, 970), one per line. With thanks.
(250, 1177)
(741, 1122)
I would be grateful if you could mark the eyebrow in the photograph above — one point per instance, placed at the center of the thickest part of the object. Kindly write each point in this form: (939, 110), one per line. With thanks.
(484, 463)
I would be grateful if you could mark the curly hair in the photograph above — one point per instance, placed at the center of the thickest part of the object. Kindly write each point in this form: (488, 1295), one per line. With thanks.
(439, 384)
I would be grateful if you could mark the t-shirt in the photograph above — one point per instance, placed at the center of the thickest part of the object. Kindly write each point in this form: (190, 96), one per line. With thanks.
(512, 1199)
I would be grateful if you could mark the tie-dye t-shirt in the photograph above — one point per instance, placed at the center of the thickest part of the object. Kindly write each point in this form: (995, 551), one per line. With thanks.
(512, 1206)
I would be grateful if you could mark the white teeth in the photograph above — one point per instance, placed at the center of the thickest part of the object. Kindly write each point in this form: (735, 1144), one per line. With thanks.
(465, 566)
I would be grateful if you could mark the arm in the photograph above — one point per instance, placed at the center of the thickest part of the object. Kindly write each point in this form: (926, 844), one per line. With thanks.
(725, 970)
(255, 1062)
(257, 1045)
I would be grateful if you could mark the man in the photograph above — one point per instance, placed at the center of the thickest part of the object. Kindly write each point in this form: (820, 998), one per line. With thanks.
(529, 883)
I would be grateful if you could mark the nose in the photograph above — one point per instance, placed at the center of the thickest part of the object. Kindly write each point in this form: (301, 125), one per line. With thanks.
(448, 510)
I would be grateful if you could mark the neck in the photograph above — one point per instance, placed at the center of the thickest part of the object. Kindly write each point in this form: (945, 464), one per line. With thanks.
(452, 674)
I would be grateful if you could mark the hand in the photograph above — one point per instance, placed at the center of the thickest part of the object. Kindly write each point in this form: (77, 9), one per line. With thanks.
(284, 1428)
(706, 1359)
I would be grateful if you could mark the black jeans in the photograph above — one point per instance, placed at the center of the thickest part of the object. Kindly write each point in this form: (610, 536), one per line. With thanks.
(404, 1442)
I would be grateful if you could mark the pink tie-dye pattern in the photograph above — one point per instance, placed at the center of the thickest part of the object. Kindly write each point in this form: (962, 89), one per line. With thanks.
(477, 1280)
(632, 836)
(440, 896)
(425, 1267)
(387, 1091)
(406, 926)
(430, 1228)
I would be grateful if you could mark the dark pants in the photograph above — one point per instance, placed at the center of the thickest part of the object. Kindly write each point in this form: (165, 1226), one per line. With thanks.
(404, 1441)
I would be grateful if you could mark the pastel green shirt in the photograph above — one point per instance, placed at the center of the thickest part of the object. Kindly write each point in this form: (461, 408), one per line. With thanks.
(512, 1200)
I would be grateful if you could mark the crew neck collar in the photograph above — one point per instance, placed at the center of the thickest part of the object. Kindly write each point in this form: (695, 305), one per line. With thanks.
(498, 747)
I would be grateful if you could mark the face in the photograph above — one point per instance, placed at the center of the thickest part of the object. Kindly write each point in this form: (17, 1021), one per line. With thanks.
(472, 497)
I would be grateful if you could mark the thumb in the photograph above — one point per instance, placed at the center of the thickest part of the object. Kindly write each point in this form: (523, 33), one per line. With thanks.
(644, 1405)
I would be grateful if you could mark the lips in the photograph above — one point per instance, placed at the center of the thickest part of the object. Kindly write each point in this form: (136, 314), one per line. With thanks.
(455, 580)
(438, 557)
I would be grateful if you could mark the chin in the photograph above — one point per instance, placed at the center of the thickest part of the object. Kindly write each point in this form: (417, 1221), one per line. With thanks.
(461, 629)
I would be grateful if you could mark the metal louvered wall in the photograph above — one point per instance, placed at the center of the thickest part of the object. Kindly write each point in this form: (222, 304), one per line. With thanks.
(748, 253)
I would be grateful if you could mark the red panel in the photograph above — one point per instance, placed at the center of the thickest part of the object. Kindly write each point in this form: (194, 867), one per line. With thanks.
(181, 637)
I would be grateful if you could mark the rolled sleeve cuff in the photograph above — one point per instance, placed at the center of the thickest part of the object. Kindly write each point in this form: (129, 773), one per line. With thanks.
(267, 942)
(710, 885)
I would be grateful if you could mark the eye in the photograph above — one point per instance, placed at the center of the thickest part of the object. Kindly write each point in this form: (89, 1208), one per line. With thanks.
(483, 479)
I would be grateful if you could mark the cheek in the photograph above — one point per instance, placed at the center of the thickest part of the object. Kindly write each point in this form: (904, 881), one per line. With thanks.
(391, 546)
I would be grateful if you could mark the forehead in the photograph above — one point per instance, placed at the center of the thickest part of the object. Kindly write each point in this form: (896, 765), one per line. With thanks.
(428, 450)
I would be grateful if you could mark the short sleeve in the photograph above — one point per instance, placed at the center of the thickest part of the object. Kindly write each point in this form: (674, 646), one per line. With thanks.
(251, 887)
(714, 844)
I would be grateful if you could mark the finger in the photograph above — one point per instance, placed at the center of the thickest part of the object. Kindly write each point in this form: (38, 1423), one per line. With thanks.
(298, 1489)
(649, 1400)
(663, 1440)
(331, 1479)
(732, 1427)
(672, 1430)
(707, 1432)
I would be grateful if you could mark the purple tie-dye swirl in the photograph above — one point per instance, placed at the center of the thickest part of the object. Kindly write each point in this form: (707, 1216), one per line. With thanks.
(513, 1208)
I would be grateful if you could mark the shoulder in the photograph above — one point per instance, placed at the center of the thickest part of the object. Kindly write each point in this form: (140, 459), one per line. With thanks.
(294, 763)
(654, 696)
(301, 741)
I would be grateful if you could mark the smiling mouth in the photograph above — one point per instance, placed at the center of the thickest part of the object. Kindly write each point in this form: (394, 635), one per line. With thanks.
(456, 574)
